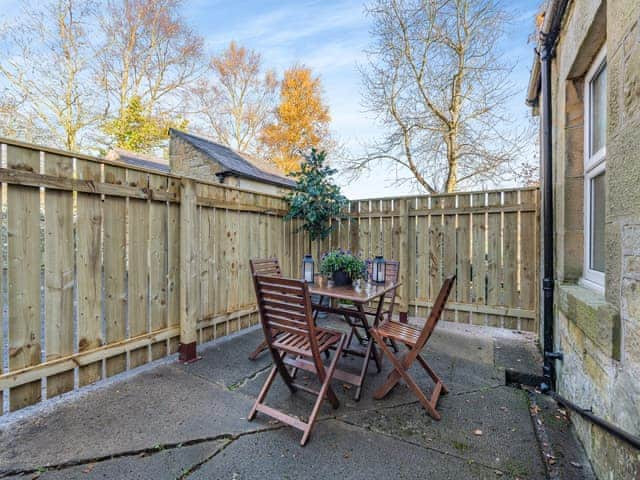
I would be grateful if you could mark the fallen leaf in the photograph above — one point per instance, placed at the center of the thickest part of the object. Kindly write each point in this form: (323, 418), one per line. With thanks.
(477, 432)
(89, 468)
(347, 455)
(347, 386)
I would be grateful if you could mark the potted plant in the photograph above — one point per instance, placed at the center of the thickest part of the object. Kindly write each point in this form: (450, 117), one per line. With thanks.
(342, 267)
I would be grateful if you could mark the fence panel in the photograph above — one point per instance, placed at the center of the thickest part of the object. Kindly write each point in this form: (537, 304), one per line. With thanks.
(110, 266)
(488, 239)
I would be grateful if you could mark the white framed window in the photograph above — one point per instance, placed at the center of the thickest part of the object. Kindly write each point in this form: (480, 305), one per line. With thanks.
(595, 153)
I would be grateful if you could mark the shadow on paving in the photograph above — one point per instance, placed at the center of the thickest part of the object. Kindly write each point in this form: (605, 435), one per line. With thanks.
(337, 450)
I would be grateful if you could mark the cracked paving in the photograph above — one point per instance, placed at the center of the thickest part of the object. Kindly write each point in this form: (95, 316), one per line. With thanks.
(189, 421)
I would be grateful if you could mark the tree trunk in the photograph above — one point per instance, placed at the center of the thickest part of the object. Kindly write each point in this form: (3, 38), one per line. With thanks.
(452, 161)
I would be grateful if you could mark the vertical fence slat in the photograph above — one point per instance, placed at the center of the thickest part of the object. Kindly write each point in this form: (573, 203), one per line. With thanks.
(23, 212)
(423, 254)
(89, 266)
(510, 257)
(479, 229)
(494, 257)
(435, 248)
(354, 230)
(449, 249)
(158, 264)
(58, 273)
(115, 280)
(173, 253)
(529, 265)
(138, 271)
(463, 260)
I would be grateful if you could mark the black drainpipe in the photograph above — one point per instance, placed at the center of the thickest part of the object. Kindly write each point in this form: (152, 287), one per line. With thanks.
(546, 54)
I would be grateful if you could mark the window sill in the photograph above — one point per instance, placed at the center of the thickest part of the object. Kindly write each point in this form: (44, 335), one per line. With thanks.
(591, 313)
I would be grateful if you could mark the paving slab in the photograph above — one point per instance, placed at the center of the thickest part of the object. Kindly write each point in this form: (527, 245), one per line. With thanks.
(300, 403)
(162, 465)
(164, 405)
(491, 427)
(226, 363)
(335, 450)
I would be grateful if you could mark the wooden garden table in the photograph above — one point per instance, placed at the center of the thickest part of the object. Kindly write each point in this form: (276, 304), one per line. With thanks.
(359, 298)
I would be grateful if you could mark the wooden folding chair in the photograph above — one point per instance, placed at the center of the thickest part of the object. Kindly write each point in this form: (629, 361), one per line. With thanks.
(264, 266)
(415, 339)
(285, 307)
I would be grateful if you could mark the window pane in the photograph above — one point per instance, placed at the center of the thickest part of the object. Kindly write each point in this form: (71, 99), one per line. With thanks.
(598, 110)
(597, 222)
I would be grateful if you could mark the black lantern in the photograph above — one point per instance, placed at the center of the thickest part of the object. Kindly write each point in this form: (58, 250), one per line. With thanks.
(307, 268)
(378, 270)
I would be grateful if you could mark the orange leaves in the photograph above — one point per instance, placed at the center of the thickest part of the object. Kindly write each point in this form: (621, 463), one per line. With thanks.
(302, 119)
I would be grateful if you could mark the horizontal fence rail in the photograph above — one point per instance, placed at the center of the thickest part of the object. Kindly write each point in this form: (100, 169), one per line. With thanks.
(91, 267)
(108, 266)
(489, 239)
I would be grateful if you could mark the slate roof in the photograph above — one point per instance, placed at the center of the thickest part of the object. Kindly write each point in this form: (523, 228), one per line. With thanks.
(232, 162)
(139, 160)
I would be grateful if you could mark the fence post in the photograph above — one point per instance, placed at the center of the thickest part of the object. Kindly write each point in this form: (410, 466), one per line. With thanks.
(189, 286)
(404, 259)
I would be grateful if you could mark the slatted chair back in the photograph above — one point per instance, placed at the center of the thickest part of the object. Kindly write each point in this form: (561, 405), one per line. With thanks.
(285, 306)
(436, 312)
(265, 266)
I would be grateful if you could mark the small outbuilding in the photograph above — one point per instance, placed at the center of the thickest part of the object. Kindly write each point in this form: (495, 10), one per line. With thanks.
(201, 158)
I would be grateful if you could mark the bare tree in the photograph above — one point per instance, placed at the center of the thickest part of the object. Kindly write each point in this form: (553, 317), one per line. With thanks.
(436, 82)
(46, 68)
(148, 53)
(238, 98)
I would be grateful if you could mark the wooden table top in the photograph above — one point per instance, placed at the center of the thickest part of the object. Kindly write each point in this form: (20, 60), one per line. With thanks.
(363, 295)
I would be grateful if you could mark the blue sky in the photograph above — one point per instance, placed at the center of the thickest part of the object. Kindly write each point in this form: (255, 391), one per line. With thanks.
(329, 36)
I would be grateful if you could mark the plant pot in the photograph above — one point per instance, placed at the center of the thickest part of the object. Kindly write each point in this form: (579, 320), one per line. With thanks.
(340, 279)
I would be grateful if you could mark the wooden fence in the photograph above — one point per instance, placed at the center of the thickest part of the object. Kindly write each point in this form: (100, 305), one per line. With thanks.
(106, 266)
(489, 239)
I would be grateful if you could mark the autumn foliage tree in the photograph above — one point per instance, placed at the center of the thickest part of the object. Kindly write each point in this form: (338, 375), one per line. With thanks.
(302, 120)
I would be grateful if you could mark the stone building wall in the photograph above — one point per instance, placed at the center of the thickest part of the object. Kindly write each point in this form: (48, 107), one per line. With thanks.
(600, 333)
(186, 160)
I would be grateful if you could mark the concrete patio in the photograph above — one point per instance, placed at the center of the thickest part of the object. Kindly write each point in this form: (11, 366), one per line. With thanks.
(189, 421)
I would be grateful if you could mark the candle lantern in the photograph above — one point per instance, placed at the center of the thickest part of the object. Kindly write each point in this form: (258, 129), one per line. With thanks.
(378, 270)
(308, 268)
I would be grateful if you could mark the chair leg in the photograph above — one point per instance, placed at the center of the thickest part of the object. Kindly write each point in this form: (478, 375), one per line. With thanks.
(413, 386)
(259, 349)
(325, 390)
(263, 392)
(432, 374)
